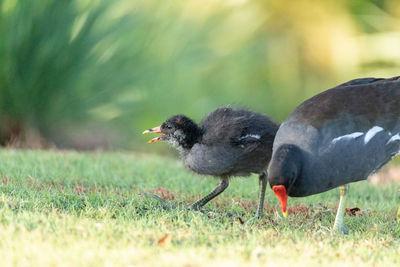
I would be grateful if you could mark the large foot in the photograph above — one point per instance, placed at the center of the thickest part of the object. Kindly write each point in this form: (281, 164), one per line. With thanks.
(253, 220)
(194, 207)
(340, 229)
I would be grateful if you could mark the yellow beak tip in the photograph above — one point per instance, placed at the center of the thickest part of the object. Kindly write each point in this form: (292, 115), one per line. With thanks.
(284, 214)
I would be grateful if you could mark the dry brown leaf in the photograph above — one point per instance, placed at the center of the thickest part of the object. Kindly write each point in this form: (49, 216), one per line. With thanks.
(353, 211)
(165, 240)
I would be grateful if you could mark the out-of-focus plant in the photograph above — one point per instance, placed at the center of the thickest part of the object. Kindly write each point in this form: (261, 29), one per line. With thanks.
(56, 57)
(89, 73)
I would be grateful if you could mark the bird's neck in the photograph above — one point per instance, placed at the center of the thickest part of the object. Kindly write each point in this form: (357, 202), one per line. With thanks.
(285, 166)
(191, 138)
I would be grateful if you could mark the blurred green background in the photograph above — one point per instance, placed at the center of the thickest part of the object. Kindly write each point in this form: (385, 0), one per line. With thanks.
(89, 74)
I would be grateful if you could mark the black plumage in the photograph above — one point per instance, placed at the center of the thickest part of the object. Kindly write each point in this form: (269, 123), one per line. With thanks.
(228, 142)
(337, 137)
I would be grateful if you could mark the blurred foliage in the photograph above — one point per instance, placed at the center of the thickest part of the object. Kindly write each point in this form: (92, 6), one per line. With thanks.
(95, 73)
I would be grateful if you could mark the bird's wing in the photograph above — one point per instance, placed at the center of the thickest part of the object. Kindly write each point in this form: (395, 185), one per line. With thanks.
(248, 142)
(236, 127)
(361, 152)
(223, 125)
(363, 81)
(364, 100)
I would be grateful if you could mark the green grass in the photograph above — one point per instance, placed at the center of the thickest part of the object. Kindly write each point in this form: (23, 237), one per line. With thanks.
(86, 209)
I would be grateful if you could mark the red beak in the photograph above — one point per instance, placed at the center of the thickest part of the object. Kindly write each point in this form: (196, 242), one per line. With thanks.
(154, 130)
(280, 192)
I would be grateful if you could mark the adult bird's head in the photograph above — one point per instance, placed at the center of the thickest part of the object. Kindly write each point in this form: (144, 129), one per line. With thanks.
(178, 130)
(283, 171)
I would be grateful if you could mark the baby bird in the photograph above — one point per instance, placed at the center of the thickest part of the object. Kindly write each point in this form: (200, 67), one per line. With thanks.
(228, 142)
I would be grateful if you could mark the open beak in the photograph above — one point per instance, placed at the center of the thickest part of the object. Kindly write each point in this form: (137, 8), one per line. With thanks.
(280, 192)
(154, 130)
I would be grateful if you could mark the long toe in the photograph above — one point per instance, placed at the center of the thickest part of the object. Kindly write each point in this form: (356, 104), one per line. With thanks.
(194, 207)
(253, 220)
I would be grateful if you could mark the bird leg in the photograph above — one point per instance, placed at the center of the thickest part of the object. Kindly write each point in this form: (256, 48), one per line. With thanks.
(263, 184)
(339, 226)
(218, 190)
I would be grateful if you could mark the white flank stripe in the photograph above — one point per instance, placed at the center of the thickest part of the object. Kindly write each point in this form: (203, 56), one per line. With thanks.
(256, 136)
(347, 136)
(371, 133)
(394, 138)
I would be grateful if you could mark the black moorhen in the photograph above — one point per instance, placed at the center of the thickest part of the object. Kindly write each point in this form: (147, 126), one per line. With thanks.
(228, 142)
(340, 136)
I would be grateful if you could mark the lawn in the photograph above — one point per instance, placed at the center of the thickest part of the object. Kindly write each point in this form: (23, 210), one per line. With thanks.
(88, 209)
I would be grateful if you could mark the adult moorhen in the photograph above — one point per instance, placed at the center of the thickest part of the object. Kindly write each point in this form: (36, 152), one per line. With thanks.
(228, 142)
(340, 136)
